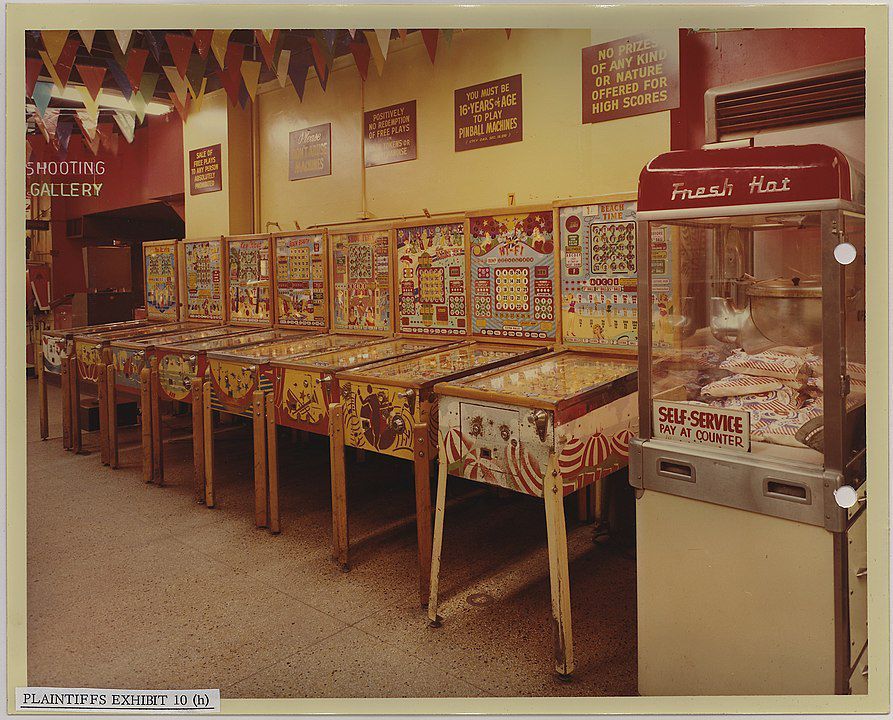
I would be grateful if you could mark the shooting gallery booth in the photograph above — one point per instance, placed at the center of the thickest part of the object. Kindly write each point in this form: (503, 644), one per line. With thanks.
(343, 388)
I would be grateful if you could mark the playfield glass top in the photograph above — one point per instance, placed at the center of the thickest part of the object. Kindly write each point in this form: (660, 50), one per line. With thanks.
(432, 367)
(370, 353)
(232, 341)
(137, 332)
(300, 346)
(178, 337)
(553, 377)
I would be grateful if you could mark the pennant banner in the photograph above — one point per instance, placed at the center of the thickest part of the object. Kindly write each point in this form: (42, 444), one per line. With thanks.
(203, 41)
(361, 55)
(319, 62)
(92, 77)
(282, 67)
(250, 74)
(195, 74)
(60, 71)
(219, 41)
(181, 49)
(63, 133)
(54, 42)
(91, 104)
(267, 45)
(136, 63)
(141, 100)
(297, 72)
(87, 38)
(126, 121)
(430, 38)
(122, 38)
(154, 46)
(41, 96)
(375, 48)
(87, 123)
(178, 83)
(120, 77)
(33, 67)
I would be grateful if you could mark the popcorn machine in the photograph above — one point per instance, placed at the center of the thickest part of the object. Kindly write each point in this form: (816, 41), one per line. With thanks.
(749, 468)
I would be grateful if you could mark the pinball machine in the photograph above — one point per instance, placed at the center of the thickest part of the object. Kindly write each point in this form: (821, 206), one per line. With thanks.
(56, 347)
(561, 423)
(90, 358)
(173, 367)
(430, 295)
(752, 440)
(505, 283)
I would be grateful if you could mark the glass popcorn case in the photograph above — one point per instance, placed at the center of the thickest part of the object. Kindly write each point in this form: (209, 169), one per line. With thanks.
(752, 425)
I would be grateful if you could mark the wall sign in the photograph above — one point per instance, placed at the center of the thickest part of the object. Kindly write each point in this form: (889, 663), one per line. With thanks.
(632, 76)
(205, 171)
(488, 114)
(310, 152)
(431, 279)
(390, 134)
(512, 276)
(702, 425)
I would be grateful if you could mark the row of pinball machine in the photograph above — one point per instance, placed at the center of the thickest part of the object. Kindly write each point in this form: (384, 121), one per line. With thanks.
(506, 345)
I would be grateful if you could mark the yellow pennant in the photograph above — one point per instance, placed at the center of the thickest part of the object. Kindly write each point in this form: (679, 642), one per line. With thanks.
(219, 41)
(87, 38)
(282, 67)
(250, 74)
(54, 41)
(268, 34)
(91, 105)
(180, 85)
(51, 69)
(197, 99)
(123, 39)
(377, 55)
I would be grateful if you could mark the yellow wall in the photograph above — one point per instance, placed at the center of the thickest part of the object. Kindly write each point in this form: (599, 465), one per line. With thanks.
(559, 157)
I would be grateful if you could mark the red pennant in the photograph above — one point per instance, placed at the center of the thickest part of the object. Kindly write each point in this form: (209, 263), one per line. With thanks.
(430, 38)
(402, 33)
(33, 67)
(92, 78)
(319, 62)
(231, 76)
(136, 61)
(267, 47)
(508, 33)
(202, 41)
(108, 136)
(66, 60)
(361, 54)
(182, 109)
(181, 49)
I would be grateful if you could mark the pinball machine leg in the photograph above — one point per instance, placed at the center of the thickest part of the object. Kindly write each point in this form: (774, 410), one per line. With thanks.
(157, 427)
(340, 535)
(103, 402)
(272, 466)
(65, 383)
(553, 497)
(209, 444)
(146, 424)
(75, 402)
(112, 402)
(259, 428)
(198, 439)
(42, 394)
(439, 509)
(421, 465)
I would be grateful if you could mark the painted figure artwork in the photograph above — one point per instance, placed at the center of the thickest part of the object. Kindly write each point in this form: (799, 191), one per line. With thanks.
(361, 281)
(379, 417)
(598, 276)
(55, 350)
(300, 280)
(432, 283)
(161, 280)
(249, 280)
(512, 271)
(204, 279)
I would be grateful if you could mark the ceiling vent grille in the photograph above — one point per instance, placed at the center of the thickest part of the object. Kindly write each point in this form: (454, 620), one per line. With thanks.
(818, 94)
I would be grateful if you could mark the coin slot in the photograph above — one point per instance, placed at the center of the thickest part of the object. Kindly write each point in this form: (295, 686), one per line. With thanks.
(786, 491)
(486, 453)
(676, 470)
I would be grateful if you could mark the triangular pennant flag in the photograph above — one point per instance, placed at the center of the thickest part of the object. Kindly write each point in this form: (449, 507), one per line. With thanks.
(90, 103)
(181, 49)
(33, 67)
(219, 41)
(250, 74)
(430, 38)
(154, 46)
(230, 76)
(268, 34)
(329, 38)
(297, 71)
(177, 83)
(122, 38)
(141, 100)
(361, 55)
(63, 133)
(267, 45)
(41, 125)
(195, 73)
(352, 32)
(54, 42)
(319, 62)
(232, 60)
(202, 41)
(384, 41)
(61, 70)
(50, 120)
(402, 33)
(243, 96)
(87, 123)
(136, 62)
(139, 106)
(87, 38)
(126, 121)
(448, 36)
(198, 97)
(282, 67)
(91, 143)
(41, 96)
(508, 33)
(375, 49)
(119, 77)
(92, 77)
(182, 109)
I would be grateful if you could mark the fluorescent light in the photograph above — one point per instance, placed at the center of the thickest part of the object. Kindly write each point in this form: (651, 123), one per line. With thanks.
(110, 100)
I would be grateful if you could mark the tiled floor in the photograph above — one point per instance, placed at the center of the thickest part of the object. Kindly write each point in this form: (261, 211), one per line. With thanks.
(135, 586)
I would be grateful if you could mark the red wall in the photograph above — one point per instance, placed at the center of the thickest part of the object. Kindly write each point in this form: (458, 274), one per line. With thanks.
(709, 59)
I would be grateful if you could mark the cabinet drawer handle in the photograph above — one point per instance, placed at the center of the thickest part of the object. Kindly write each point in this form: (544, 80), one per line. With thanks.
(862, 572)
